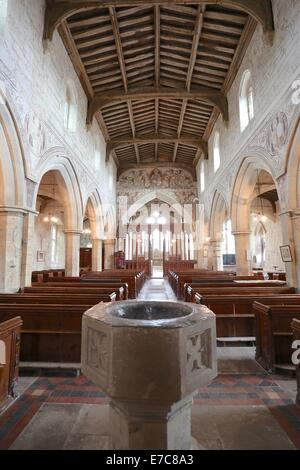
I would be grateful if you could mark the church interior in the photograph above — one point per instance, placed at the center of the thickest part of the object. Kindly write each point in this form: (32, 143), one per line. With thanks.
(150, 225)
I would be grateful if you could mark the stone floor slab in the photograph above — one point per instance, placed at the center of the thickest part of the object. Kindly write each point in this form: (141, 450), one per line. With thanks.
(238, 428)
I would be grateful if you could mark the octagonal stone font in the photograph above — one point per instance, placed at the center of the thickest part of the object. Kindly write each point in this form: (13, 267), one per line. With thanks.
(150, 357)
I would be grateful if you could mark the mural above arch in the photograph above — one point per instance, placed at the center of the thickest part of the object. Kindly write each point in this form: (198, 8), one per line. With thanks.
(175, 182)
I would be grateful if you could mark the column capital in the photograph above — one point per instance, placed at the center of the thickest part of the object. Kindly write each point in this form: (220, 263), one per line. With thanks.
(17, 210)
(73, 232)
(237, 233)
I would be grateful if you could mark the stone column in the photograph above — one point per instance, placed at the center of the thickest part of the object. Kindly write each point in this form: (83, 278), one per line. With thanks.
(28, 249)
(109, 251)
(295, 248)
(97, 254)
(72, 250)
(242, 244)
(11, 234)
(217, 261)
(290, 224)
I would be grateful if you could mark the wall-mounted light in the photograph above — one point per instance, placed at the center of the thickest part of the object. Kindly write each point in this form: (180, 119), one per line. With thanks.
(87, 231)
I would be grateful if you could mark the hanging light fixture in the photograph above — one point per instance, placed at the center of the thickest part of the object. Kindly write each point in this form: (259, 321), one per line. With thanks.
(259, 216)
(50, 218)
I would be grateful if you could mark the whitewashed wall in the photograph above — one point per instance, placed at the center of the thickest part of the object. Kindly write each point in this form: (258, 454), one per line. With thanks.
(35, 84)
(274, 69)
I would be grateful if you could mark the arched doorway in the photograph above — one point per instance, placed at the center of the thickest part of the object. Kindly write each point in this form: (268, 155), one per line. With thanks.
(58, 225)
(91, 240)
(222, 247)
(255, 214)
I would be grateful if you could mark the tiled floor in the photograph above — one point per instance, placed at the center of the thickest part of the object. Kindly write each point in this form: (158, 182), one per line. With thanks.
(243, 408)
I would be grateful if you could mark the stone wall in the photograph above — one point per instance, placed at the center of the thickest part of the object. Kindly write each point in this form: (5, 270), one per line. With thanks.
(266, 142)
(35, 139)
(34, 79)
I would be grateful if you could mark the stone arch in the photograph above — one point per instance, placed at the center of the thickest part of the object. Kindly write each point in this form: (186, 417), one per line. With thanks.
(243, 188)
(293, 169)
(110, 223)
(150, 196)
(93, 206)
(219, 212)
(56, 160)
(12, 161)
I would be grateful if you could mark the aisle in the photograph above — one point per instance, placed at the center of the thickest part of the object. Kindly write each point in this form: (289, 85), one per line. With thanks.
(157, 289)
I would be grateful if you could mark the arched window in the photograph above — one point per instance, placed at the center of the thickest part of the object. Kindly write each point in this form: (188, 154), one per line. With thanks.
(246, 100)
(217, 155)
(71, 107)
(202, 176)
(3, 9)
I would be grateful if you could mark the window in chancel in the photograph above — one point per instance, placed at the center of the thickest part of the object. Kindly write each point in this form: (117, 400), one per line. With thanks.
(53, 243)
(202, 176)
(246, 100)
(217, 155)
(3, 9)
(71, 108)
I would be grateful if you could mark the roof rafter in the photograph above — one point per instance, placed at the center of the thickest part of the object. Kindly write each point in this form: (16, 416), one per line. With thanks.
(213, 97)
(115, 28)
(155, 139)
(192, 61)
(59, 10)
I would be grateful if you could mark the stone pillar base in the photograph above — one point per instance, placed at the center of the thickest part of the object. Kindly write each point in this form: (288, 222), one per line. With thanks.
(151, 426)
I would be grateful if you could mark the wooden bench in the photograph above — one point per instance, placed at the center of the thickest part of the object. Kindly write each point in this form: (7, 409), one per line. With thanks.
(50, 333)
(44, 276)
(274, 336)
(134, 279)
(234, 315)
(177, 280)
(118, 293)
(296, 334)
(190, 289)
(53, 297)
(10, 332)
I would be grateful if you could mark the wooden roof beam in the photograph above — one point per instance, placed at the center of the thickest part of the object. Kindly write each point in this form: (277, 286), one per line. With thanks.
(192, 61)
(213, 97)
(59, 10)
(155, 139)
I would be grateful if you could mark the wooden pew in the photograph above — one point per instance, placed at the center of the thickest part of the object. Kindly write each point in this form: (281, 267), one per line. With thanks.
(234, 315)
(45, 275)
(117, 291)
(10, 332)
(53, 297)
(134, 279)
(274, 335)
(296, 334)
(190, 289)
(50, 333)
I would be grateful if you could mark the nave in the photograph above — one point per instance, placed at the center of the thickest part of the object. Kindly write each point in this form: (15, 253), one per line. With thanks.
(244, 408)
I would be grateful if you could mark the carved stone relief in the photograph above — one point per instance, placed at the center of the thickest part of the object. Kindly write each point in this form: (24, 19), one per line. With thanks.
(97, 351)
(198, 347)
